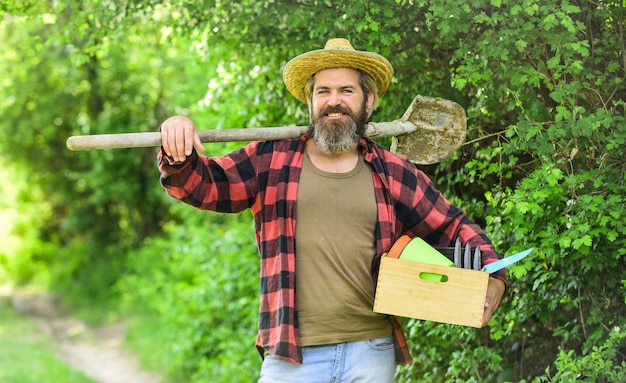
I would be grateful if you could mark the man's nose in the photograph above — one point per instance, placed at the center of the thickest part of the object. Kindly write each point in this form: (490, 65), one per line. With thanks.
(334, 99)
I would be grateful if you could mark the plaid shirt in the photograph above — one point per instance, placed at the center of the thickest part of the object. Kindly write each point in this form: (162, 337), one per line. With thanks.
(263, 177)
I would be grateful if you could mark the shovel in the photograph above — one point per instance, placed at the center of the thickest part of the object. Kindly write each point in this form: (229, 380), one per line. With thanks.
(428, 132)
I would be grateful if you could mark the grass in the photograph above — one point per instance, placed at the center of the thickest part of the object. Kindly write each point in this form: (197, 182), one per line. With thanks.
(27, 355)
(145, 337)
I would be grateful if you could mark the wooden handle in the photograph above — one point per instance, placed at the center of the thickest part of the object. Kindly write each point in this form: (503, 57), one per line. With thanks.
(150, 139)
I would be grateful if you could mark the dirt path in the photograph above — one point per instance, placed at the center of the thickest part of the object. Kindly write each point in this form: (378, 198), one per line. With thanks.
(96, 352)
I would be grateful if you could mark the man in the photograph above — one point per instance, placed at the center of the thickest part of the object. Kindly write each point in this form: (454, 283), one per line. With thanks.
(326, 206)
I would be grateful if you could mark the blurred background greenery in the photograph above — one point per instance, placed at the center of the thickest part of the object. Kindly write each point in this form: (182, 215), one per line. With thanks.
(543, 167)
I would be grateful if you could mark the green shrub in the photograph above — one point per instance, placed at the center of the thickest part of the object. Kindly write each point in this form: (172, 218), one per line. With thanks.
(201, 280)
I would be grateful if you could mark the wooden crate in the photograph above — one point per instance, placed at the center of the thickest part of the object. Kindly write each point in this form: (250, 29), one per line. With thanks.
(459, 299)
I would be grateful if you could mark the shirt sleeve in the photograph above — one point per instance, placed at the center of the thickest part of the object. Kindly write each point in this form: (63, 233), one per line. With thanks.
(224, 184)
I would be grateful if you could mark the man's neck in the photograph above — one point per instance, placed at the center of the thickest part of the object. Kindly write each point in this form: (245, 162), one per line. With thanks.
(332, 162)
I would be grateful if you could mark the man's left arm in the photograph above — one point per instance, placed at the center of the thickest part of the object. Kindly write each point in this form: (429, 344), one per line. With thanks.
(429, 215)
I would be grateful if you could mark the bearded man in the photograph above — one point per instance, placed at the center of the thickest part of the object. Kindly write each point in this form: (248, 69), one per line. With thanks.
(326, 207)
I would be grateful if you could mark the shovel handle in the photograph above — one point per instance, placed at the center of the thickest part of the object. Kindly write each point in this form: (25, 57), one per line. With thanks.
(151, 139)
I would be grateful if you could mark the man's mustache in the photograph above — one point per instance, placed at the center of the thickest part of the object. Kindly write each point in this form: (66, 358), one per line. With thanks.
(336, 109)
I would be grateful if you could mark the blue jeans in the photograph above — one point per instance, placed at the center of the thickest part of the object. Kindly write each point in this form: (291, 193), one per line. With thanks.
(371, 361)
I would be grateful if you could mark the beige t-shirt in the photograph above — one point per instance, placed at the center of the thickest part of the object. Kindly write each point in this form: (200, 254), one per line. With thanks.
(335, 244)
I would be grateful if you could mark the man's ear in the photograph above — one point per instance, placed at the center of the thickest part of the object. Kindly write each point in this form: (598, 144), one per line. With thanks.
(370, 102)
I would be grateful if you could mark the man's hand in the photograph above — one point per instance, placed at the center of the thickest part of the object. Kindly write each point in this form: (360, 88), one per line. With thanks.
(179, 136)
(495, 291)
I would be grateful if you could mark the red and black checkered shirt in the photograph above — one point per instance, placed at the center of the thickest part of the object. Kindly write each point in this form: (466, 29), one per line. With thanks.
(263, 177)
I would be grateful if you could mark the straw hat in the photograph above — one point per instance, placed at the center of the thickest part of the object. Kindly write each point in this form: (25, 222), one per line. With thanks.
(338, 53)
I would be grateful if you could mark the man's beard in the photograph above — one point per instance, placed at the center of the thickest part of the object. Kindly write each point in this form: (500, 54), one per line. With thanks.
(338, 136)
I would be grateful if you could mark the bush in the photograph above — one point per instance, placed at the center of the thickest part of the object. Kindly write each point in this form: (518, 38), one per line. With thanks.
(201, 280)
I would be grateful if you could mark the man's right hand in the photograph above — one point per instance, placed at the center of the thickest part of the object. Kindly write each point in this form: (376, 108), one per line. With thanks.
(178, 136)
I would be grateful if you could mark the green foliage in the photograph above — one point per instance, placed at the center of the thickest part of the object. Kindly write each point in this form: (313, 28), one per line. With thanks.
(600, 365)
(559, 161)
(447, 353)
(23, 209)
(201, 279)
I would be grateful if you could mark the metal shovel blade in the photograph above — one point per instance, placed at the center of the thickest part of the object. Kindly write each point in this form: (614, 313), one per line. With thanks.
(441, 127)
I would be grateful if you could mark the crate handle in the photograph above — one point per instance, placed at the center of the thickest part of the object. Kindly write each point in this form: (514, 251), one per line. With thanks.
(435, 277)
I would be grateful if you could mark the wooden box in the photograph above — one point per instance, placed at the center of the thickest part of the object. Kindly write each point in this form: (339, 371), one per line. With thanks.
(459, 298)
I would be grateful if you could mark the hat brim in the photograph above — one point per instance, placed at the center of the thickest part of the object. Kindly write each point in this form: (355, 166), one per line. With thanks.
(299, 69)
